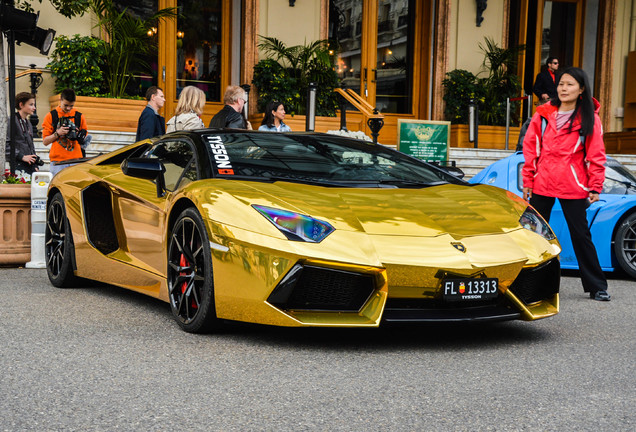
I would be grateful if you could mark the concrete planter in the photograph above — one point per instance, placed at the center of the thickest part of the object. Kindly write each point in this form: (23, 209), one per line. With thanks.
(490, 137)
(15, 224)
(297, 122)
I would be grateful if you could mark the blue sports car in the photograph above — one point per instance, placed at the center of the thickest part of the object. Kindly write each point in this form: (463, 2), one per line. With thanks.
(612, 220)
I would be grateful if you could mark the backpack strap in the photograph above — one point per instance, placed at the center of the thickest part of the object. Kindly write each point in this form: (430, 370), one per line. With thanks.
(78, 119)
(54, 118)
(544, 125)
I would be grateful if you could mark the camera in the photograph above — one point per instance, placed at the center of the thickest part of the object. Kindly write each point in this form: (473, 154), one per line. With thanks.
(38, 161)
(74, 134)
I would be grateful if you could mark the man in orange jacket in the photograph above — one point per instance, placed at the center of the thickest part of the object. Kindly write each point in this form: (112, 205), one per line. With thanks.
(66, 126)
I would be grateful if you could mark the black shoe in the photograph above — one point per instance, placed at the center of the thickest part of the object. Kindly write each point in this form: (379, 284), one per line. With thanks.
(600, 295)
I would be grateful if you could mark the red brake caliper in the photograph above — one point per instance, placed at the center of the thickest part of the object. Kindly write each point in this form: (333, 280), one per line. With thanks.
(182, 263)
(184, 285)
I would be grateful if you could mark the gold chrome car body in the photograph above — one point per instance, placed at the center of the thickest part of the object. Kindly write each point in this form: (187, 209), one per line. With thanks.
(406, 240)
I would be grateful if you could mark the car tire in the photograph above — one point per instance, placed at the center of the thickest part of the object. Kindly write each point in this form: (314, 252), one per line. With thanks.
(59, 248)
(625, 245)
(189, 276)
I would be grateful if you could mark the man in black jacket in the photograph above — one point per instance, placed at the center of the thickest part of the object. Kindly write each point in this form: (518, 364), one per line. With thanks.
(151, 124)
(230, 116)
(545, 86)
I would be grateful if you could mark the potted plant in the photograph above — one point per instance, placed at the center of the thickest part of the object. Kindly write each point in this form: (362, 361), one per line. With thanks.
(127, 41)
(78, 63)
(118, 56)
(287, 71)
(489, 93)
(15, 205)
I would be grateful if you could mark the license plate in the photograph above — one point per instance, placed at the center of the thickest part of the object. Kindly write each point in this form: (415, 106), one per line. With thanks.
(469, 289)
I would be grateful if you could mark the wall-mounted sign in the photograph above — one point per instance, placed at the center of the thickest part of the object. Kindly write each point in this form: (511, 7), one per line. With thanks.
(424, 139)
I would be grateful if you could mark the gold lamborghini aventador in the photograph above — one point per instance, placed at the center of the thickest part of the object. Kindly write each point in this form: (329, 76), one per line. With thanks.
(298, 229)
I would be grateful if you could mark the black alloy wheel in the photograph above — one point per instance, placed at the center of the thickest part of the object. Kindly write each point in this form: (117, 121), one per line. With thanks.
(58, 244)
(190, 278)
(625, 245)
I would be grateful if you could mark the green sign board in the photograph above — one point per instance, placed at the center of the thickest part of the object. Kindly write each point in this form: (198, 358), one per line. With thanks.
(424, 139)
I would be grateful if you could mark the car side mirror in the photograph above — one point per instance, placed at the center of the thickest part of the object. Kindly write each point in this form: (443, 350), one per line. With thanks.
(146, 168)
(450, 167)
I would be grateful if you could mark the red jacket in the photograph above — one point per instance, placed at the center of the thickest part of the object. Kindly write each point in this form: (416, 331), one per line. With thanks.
(557, 164)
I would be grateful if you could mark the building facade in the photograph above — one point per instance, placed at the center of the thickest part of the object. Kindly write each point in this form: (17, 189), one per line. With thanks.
(393, 53)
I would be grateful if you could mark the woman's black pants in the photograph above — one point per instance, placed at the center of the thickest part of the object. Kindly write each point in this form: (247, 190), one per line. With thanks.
(592, 276)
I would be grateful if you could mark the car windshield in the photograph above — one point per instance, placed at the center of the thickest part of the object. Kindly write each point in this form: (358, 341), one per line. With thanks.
(618, 179)
(318, 159)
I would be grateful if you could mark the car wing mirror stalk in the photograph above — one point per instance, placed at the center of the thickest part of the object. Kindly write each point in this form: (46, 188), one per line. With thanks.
(146, 168)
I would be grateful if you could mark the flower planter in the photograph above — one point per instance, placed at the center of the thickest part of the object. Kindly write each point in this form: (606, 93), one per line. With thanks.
(15, 224)
(490, 137)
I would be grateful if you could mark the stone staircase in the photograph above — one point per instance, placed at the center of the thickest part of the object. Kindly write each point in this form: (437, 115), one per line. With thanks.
(471, 161)
(102, 142)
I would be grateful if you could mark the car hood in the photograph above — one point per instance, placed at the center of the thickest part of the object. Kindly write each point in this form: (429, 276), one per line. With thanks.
(447, 209)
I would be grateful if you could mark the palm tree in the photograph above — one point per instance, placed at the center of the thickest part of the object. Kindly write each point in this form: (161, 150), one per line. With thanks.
(502, 81)
(127, 40)
(299, 60)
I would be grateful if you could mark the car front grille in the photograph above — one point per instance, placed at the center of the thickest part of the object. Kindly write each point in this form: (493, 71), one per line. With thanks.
(539, 283)
(322, 289)
(402, 310)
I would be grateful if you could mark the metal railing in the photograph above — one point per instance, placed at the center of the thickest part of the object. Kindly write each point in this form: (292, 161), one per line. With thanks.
(508, 100)
(373, 119)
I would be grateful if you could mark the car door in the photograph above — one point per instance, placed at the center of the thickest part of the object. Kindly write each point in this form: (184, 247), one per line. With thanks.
(142, 213)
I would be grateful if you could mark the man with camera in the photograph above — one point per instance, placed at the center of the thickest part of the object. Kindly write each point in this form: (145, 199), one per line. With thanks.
(64, 129)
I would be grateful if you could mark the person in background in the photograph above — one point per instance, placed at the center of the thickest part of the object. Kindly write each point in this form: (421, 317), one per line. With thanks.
(273, 119)
(187, 115)
(25, 156)
(150, 123)
(54, 133)
(230, 116)
(545, 85)
(566, 161)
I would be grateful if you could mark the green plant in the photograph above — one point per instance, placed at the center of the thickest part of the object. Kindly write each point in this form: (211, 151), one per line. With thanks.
(77, 63)
(274, 83)
(490, 92)
(286, 73)
(460, 87)
(127, 41)
(502, 82)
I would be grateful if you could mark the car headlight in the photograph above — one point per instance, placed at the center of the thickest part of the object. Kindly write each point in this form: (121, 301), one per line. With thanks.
(531, 220)
(296, 227)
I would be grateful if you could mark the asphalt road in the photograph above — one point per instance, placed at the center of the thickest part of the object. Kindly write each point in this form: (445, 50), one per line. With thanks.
(103, 358)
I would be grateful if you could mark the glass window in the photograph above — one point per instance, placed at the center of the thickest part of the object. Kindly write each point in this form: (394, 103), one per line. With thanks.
(145, 69)
(326, 160)
(175, 156)
(199, 37)
(394, 78)
(388, 75)
(558, 32)
(345, 35)
(618, 179)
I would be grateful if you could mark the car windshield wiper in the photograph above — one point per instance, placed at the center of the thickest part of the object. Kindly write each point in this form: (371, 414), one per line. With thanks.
(338, 183)
(312, 181)
(623, 182)
(408, 183)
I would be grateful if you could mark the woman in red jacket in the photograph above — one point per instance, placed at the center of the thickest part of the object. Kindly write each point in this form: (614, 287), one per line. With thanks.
(564, 158)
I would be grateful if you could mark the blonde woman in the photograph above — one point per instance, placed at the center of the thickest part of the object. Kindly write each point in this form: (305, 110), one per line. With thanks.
(187, 115)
